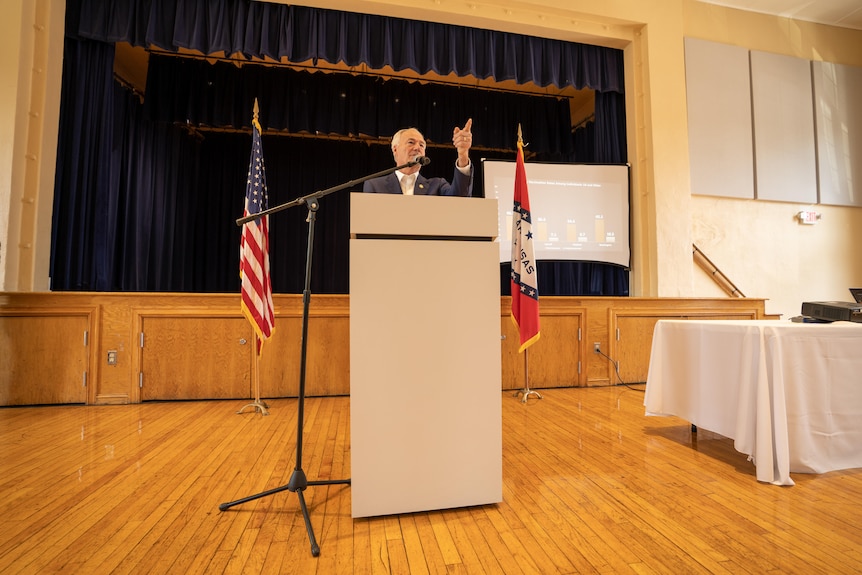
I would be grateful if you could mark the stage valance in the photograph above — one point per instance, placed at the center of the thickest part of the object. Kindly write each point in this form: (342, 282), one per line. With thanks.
(301, 34)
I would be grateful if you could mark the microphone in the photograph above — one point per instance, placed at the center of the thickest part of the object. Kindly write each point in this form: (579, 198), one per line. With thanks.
(421, 160)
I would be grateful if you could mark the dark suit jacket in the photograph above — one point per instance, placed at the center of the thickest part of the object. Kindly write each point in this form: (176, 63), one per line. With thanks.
(461, 185)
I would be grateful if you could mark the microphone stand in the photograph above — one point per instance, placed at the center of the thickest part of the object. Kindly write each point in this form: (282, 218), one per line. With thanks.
(305, 200)
(298, 481)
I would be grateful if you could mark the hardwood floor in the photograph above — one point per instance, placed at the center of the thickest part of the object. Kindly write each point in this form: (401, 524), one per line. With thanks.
(591, 485)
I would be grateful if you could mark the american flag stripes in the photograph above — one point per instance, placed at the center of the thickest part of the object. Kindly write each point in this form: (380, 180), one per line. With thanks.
(254, 246)
(525, 285)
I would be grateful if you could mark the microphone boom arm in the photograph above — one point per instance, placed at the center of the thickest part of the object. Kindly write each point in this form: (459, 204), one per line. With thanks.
(319, 194)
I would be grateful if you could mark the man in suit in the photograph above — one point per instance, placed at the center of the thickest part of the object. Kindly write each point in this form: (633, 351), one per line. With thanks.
(409, 144)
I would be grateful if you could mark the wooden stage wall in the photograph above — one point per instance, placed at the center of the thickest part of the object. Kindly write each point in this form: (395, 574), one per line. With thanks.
(118, 348)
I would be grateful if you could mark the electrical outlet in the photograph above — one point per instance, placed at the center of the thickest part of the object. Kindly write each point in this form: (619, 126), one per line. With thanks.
(112, 357)
(597, 347)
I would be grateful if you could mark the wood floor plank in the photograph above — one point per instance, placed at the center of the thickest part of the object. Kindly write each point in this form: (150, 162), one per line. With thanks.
(362, 546)
(379, 549)
(455, 522)
(413, 546)
(590, 485)
(520, 544)
(503, 559)
(397, 556)
(344, 539)
(434, 559)
(447, 546)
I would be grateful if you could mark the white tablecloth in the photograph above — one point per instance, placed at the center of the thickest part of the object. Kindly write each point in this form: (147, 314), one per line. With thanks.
(788, 394)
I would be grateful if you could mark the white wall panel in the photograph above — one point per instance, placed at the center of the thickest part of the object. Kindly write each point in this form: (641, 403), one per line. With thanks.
(783, 109)
(838, 116)
(719, 119)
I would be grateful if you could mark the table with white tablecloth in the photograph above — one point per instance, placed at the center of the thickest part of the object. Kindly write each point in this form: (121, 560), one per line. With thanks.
(788, 394)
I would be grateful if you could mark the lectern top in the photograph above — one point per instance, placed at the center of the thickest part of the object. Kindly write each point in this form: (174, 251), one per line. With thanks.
(381, 215)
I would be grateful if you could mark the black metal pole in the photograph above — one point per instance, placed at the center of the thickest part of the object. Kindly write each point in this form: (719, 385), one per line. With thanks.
(305, 199)
(298, 482)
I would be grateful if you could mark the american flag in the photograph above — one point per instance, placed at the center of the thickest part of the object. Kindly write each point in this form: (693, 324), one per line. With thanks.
(525, 285)
(254, 246)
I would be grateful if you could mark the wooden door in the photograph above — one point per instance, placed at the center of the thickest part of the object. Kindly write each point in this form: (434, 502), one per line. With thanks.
(512, 362)
(327, 370)
(196, 358)
(552, 361)
(633, 342)
(45, 359)
(632, 348)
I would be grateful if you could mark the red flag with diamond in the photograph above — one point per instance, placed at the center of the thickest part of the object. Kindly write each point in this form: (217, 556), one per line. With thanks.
(525, 286)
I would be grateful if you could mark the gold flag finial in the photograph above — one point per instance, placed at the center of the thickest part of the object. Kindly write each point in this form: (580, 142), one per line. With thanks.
(255, 122)
(521, 143)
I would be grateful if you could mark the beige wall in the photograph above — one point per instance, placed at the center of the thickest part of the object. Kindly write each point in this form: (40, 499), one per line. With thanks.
(757, 244)
(10, 63)
(31, 57)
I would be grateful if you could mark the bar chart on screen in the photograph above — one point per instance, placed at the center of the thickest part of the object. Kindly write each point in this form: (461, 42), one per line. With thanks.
(580, 211)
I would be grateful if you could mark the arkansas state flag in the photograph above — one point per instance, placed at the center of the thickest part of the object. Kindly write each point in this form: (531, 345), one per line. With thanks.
(525, 285)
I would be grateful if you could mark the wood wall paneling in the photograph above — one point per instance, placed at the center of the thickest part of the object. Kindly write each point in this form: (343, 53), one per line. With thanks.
(552, 361)
(633, 331)
(327, 370)
(45, 356)
(193, 344)
(512, 362)
(193, 357)
(555, 358)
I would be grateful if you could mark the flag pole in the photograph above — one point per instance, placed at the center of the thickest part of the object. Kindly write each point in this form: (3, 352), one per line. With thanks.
(257, 404)
(256, 289)
(524, 286)
(527, 391)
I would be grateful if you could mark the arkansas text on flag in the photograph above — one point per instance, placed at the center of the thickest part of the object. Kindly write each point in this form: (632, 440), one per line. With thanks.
(525, 285)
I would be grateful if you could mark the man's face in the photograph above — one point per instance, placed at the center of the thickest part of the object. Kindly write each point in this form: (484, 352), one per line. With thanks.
(410, 145)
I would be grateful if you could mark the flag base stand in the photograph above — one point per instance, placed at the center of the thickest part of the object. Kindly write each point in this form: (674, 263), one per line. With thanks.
(257, 404)
(527, 392)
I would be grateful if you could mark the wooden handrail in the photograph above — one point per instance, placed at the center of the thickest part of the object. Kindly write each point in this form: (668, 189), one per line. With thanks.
(717, 275)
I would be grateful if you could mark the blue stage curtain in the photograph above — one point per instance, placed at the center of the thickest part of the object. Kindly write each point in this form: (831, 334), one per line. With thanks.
(610, 132)
(145, 205)
(220, 95)
(82, 237)
(125, 198)
(300, 34)
(584, 138)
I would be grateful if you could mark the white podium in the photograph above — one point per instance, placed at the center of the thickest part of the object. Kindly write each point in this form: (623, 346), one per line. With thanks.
(425, 375)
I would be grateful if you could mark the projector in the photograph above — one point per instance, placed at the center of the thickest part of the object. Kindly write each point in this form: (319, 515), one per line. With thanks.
(833, 310)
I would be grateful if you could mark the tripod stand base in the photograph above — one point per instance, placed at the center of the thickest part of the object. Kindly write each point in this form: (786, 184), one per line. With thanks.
(527, 392)
(257, 406)
(297, 484)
